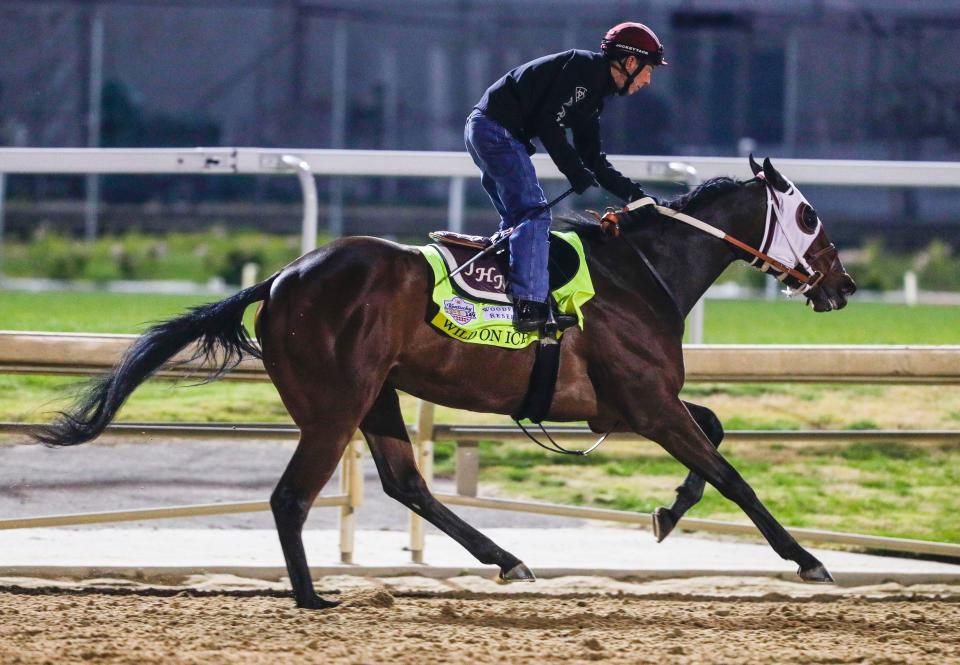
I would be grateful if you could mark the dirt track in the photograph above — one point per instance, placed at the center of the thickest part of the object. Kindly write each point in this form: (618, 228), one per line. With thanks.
(580, 623)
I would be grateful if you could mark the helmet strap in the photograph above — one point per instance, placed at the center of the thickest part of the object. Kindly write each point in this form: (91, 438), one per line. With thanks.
(630, 77)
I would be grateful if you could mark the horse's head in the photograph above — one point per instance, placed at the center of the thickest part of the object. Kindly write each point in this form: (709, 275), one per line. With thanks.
(794, 236)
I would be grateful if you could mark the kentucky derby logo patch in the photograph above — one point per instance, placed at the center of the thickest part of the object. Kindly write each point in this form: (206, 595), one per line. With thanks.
(460, 310)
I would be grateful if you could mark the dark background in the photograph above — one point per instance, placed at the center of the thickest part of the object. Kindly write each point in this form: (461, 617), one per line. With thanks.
(812, 79)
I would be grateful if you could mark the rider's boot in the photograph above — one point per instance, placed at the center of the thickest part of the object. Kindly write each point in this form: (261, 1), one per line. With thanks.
(529, 315)
(564, 321)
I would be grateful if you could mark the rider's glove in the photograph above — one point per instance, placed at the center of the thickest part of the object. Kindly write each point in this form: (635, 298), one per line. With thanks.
(638, 193)
(583, 180)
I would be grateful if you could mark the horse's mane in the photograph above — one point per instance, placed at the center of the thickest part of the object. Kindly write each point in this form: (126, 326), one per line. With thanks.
(703, 193)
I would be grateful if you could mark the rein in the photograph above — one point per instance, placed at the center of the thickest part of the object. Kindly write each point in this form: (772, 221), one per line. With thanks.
(610, 224)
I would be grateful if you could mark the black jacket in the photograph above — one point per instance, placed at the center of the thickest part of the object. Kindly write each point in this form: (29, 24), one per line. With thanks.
(546, 96)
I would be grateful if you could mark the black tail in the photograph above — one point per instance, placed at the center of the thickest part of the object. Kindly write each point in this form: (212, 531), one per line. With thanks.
(222, 342)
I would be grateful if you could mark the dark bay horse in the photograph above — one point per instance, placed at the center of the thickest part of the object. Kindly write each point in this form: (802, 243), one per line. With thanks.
(343, 328)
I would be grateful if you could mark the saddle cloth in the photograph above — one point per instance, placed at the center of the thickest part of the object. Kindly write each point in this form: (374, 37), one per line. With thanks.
(486, 279)
(477, 310)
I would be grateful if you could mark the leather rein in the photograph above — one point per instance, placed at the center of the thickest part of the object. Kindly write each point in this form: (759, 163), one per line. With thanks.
(610, 225)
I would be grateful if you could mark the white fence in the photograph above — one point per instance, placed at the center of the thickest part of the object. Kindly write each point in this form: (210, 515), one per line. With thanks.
(457, 166)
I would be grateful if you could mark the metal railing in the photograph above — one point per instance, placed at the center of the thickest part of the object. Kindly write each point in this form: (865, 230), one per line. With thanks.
(454, 166)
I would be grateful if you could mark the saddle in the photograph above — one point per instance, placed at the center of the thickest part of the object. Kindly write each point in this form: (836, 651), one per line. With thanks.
(486, 279)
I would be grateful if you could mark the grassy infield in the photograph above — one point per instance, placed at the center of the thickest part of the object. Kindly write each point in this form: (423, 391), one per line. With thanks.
(899, 489)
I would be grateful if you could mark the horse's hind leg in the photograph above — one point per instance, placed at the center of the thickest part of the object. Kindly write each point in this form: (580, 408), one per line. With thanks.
(675, 429)
(393, 454)
(309, 469)
(691, 491)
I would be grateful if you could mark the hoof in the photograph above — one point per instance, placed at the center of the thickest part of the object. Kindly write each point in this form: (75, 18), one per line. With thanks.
(519, 573)
(317, 603)
(816, 575)
(663, 523)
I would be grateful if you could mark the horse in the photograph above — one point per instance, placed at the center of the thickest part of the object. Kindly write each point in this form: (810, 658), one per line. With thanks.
(343, 328)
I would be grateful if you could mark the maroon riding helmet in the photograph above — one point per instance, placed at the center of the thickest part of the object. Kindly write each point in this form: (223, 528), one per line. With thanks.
(636, 39)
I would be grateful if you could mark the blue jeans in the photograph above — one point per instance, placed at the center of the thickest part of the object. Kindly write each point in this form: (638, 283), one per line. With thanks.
(511, 182)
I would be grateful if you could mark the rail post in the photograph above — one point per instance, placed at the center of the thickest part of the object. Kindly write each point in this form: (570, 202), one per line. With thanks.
(308, 186)
(423, 449)
(351, 484)
(455, 204)
(468, 467)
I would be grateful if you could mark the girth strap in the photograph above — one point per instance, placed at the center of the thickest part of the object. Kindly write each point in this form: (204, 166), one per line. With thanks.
(543, 381)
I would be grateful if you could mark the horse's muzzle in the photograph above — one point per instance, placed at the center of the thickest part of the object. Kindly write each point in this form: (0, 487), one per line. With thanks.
(832, 293)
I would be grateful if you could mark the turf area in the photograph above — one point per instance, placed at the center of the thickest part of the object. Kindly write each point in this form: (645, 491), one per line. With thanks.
(726, 322)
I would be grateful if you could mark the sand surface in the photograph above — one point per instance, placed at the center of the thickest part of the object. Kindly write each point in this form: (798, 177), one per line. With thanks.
(471, 620)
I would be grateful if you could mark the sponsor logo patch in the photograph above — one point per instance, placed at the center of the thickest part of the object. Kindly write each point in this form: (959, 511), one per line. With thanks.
(498, 313)
(460, 310)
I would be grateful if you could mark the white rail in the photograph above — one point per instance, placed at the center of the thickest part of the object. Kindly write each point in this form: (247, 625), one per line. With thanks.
(23, 352)
(439, 164)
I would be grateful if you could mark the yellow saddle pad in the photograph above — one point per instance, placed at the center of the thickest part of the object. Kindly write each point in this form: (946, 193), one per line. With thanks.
(490, 320)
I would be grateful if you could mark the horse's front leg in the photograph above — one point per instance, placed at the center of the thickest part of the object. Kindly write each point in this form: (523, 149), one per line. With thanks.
(691, 491)
(671, 425)
(392, 452)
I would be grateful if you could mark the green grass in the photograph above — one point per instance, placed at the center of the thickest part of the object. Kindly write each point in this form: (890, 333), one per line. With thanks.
(96, 312)
(194, 256)
(886, 488)
(36, 398)
(726, 322)
(785, 322)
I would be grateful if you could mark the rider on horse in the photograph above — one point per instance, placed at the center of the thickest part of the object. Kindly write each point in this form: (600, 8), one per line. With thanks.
(543, 98)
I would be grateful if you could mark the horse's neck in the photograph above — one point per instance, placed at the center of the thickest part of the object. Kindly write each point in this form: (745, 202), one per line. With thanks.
(689, 260)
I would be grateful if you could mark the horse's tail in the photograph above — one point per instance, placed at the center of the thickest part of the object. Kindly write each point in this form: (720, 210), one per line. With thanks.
(222, 342)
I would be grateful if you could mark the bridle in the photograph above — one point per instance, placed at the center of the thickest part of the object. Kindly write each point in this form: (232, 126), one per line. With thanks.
(800, 281)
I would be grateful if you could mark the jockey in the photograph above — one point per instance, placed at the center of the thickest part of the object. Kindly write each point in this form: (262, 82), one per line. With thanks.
(543, 98)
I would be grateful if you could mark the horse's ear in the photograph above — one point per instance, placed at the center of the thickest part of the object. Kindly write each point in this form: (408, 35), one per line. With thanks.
(756, 168)
(774, 178)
